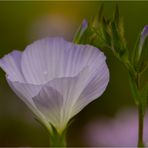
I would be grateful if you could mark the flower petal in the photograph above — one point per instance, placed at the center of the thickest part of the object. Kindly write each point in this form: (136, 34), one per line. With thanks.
(49, 101)
(26, 92)
(56, 78)
(51, 58)
(95, 87)
(57, 98)
(10, 63)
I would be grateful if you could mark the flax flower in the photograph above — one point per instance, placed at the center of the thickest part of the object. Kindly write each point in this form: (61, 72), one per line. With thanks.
(56, 78)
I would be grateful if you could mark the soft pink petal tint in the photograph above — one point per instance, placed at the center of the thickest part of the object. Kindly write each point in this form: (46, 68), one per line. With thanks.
(122, 131)
(56, 78)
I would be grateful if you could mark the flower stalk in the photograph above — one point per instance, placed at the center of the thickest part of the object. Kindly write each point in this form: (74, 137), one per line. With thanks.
(140, 117)
(58, 140)
(140, 127)
(140, 96)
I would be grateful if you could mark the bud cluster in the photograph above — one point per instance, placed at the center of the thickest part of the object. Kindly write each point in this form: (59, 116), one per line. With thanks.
(105, 33)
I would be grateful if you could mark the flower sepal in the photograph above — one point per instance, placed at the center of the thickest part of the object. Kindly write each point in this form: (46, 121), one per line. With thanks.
(94, 32)
(57, 139)
(105, 33)
(118, 42)
(140, 53)
(139, 95)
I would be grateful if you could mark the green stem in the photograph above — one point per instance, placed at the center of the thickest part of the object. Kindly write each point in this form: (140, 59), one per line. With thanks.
(57, 139)
(140, 117)
(140, 127)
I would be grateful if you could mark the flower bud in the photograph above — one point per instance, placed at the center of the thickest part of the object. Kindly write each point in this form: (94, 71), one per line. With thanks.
(94, 32)
(140, 53)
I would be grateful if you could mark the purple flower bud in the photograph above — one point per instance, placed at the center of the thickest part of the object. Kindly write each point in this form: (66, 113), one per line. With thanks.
(144, 34)
(84, 25)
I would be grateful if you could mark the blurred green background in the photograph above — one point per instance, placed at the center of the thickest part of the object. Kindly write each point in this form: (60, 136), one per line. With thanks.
(23, 22)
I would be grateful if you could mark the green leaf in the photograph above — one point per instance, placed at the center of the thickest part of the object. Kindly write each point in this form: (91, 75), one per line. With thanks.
(118, 43)
(100, 14)
(106, 31)
(117, 15)
(140, 96)
(119, 23)
(97, 20)
(117, 36)
(134, 89)
(134, 55)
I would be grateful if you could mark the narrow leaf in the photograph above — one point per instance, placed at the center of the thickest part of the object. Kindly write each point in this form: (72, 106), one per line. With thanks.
(117, 15)
(134, 90)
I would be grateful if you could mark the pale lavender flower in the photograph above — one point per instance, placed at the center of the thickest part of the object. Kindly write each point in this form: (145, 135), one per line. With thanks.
(122, 131)
(56, 78)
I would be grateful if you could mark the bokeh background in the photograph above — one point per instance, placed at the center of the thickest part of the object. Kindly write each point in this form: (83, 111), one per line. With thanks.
(25, 21)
